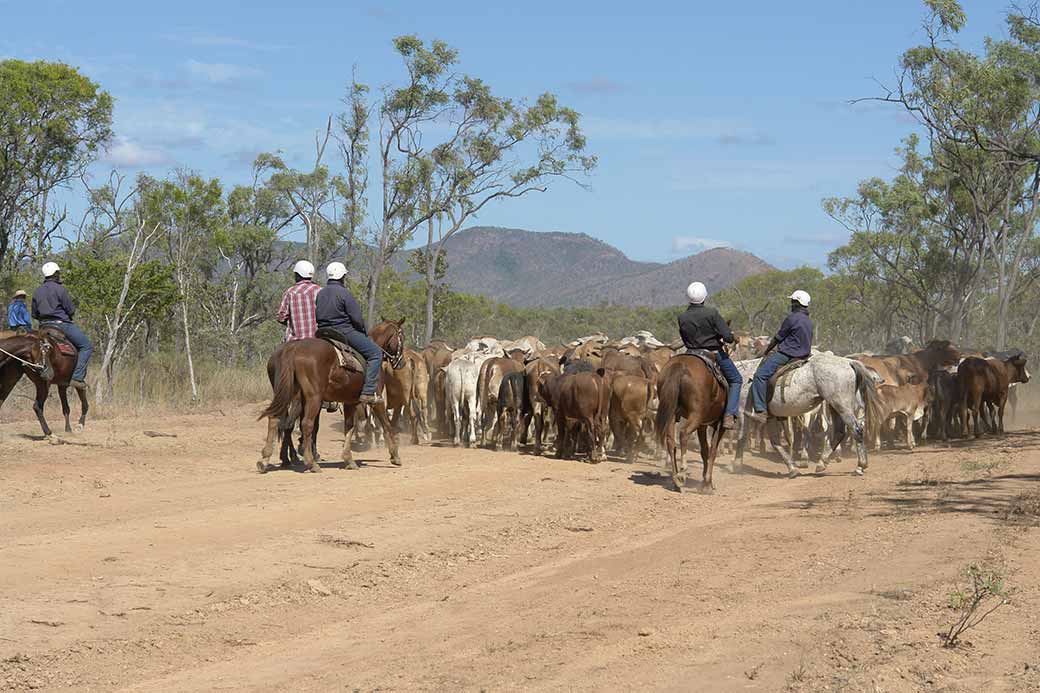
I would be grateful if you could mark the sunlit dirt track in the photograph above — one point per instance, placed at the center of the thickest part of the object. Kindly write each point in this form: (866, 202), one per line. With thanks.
(168, 563)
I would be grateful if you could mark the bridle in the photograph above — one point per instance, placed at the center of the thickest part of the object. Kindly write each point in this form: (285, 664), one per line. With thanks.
(397, 358)
(42, 367)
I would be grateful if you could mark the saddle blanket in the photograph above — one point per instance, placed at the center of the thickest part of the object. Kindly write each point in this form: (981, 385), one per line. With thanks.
(346, 356)
(708, 357)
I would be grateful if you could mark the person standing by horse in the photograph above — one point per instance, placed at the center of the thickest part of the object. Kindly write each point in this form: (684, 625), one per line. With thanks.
(18, 314)
(702, 327)
(792, 341)
(337, 310)
(53, 307)
(297, 310)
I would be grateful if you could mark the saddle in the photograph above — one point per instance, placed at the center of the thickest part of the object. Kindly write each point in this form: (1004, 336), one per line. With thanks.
(708, 357)
(60, 340)
(348, 358)
(781, 373)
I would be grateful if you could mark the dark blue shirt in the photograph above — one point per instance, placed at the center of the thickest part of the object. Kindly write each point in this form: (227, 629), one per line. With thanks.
(337, 308)
(795, 335)
(52, 302)
(18, 314)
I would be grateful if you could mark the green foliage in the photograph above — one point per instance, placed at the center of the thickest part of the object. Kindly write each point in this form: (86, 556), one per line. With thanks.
(54, 123)
(97, 282)
(985, 592)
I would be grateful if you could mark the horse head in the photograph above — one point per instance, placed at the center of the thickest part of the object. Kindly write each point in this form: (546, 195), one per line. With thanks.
(389, 335)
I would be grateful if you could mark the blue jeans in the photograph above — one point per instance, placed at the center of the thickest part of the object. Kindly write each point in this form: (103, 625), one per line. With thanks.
(735, 380)
(373, 358)
(760, 383)
(82, 343)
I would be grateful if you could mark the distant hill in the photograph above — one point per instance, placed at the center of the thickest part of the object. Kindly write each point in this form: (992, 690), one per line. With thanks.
(550, 269)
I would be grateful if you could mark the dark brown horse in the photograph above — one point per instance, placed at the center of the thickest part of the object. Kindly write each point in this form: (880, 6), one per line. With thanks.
(309, 373)
(38, 356)
(687, 389)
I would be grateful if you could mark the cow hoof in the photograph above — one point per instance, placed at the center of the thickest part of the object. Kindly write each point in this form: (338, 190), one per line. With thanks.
(78, 428)
(821, 468)
(53, 439)
(792, 473)
(736, 468)
(349, 464)
(314, 469)
(707, 490)
(801, 464)
(859, 471)
(261, 467)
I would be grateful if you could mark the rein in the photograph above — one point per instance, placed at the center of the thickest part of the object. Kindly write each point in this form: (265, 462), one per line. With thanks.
(30, 364)
(396, 359)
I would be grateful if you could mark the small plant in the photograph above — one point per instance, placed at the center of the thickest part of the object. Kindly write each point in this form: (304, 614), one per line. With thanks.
(986, 592)
(1024, 509)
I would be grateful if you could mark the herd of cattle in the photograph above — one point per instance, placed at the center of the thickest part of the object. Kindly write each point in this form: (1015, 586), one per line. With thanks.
(594, 393)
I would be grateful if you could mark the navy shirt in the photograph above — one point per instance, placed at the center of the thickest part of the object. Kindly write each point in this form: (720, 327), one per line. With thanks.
(337, 308)
(701, 327)
(795, 335)
(51, 302)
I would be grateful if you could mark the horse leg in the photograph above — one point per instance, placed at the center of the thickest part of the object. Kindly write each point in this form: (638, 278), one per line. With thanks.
(708, 484)
(63, 396)
(42, 389)
(702, 437)
(265, 454)
(348, 436)
(388, 432)
(773, 432)
(311, 407)
(853, 426)
(84, 407)
(742, 440)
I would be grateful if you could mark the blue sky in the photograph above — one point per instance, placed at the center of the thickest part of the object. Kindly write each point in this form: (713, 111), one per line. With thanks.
(715, 123)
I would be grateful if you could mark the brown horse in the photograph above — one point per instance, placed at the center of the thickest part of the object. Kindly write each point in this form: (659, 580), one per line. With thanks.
(687, 389)
(37, 356)
(309, 373)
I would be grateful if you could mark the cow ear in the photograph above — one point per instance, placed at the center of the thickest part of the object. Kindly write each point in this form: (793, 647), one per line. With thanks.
(563, 359)
(601, 372)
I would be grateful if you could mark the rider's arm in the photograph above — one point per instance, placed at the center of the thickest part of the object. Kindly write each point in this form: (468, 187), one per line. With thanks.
(283, 310)
(723, 329)
(772, 345)
(353, 310)
(66, 302)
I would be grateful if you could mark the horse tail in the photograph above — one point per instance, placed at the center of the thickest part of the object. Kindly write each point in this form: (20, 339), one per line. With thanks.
(284, 389)
(867, 389)
(667, 403)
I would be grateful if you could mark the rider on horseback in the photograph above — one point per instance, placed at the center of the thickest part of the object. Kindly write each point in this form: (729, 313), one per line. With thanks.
(53, 307)
(794, 341)
(297, 309)
(17, 314)
(701, 327)
(338, 310)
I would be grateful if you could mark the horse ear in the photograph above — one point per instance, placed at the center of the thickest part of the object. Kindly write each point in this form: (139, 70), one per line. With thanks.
(400, 322)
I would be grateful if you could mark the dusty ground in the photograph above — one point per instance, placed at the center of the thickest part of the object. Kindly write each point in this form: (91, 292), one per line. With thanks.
(156, 563)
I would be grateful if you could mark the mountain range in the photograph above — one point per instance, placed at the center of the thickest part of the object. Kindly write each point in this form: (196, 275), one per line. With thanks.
(552, 269)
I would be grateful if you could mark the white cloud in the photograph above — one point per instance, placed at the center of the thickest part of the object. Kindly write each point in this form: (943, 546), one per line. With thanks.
(694, 244)
(220, 73)
(126, 153)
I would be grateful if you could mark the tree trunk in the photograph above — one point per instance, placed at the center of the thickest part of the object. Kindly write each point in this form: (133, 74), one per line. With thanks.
(373, 290)
(187, 348)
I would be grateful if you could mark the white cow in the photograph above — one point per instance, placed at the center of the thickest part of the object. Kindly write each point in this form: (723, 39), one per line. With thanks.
(460, 382)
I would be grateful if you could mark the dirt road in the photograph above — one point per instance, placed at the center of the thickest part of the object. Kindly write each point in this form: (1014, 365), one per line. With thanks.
(168, 563)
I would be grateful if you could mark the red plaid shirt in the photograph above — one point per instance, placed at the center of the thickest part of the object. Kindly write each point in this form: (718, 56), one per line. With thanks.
(297, 310)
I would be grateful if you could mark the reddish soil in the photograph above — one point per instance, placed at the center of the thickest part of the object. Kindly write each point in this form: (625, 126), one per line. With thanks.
(168, 563)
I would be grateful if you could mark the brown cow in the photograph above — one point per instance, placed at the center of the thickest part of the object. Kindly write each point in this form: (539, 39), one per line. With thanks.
(538, 372)
(406, 389)
(580, 402)
(909, 402)
(984, 384)
(492, 371)
(630, 397)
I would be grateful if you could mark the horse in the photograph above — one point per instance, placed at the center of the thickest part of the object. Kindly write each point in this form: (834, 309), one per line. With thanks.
(841, 383)
(309, 373)
(289, 453)
(686, 388)
(37, 355)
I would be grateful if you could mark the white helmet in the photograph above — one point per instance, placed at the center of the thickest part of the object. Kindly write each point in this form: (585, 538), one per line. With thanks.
(801, 297)
(304, 269)
(697, 293)
(50, 269)
(336, 270)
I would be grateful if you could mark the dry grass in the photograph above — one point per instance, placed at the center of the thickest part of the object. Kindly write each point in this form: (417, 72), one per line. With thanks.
(159, 385)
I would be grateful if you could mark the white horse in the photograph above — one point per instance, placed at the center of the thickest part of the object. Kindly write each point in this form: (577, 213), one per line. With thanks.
(843, 385)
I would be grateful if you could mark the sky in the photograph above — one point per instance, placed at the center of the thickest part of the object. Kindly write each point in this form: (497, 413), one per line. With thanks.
(714, 123)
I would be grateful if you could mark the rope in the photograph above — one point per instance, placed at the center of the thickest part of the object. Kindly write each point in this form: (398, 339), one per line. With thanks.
(37, 366)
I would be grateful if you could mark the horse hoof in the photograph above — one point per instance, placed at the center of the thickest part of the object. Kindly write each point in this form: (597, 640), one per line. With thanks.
(679, 484)
(314, 469)
(801, 464)
(53, 439)
(792, 473)
(261, 467)
(396, 461)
